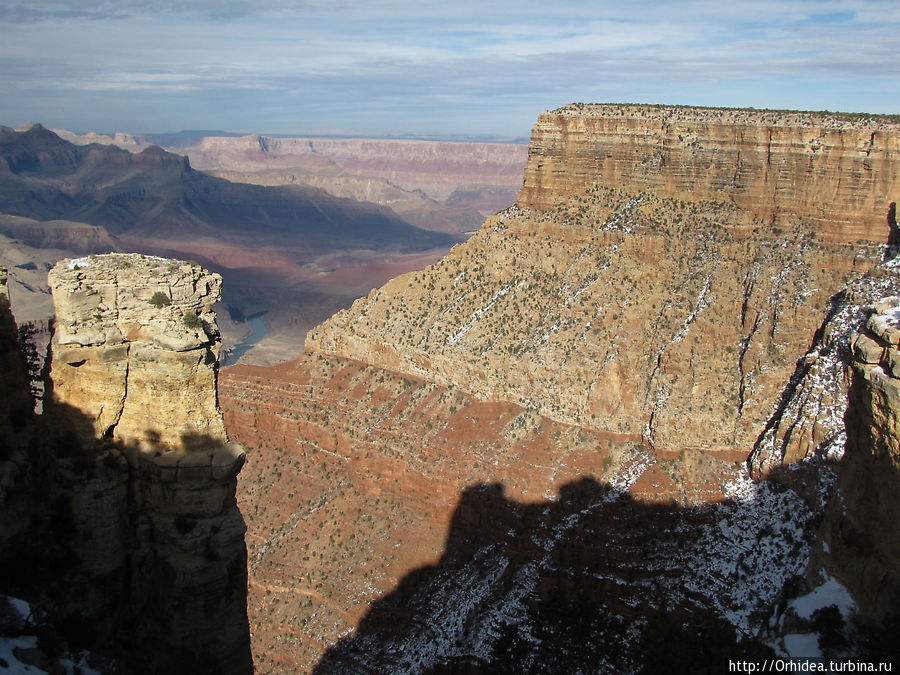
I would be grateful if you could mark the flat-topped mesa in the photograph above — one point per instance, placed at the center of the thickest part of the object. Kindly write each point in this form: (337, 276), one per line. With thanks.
(838, 172)
(135, 349)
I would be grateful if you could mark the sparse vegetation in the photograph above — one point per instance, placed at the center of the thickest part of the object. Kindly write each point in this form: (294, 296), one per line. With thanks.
(160, 299)
(192, 320)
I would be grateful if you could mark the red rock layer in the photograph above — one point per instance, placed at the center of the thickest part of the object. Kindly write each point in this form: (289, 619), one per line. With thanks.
(354, 472)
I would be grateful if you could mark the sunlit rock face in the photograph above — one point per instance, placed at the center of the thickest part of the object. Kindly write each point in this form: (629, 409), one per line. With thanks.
(653, 312)
(834, 171)
(135, 348)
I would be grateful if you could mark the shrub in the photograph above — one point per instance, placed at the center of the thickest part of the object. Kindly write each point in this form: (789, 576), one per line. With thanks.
(192, 321)
(160, 299)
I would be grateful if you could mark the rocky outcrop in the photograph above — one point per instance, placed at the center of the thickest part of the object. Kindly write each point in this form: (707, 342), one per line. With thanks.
(838, 172)
(809, 418)
(860, 529)
(146, 467)
(135, 349)
(752, 222)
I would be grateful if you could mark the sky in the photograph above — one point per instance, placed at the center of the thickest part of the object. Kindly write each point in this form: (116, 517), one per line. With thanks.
(466, 68)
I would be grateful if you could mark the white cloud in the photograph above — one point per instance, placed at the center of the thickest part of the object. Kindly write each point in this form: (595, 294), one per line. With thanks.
(433, 62)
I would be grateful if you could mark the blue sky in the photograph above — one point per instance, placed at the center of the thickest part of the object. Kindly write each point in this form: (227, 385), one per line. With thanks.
(455, 67)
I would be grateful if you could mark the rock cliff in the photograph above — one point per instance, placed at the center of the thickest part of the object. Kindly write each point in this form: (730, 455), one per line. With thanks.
(550, 305)
(642, 332)
(15, 401)
(861, 524)
(135, 348)
(838, 172)
(556, 311)
(137, 545)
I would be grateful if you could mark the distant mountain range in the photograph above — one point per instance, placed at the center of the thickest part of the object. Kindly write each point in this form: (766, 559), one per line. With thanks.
(156, 193)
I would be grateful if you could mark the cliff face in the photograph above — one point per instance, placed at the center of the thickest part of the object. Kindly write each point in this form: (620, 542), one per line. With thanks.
(15, 400)
(635, 340)
(135, 347)
(134, 374)
(750, 223)
(560, 312)
(838, 174)
(136, 545)
(861, 523)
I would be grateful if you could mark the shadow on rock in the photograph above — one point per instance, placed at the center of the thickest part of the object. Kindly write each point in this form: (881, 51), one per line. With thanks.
(591, 581)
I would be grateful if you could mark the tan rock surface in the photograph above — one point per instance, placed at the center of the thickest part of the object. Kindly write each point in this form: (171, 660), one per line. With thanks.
(676, 322)
(147, 469)
(838, 173)
(135, 348)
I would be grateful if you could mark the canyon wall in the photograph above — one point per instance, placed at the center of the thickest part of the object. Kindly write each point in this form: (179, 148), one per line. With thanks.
(837, 172)
(622, 339)
(750, 222)
(861, 523)
(15, 400)
(556, 311)
(434, 167)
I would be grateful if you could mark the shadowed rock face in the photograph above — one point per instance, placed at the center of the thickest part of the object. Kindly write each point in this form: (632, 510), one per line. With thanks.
(861, 524)
(141, 473)
(15, 400)
(837, 173)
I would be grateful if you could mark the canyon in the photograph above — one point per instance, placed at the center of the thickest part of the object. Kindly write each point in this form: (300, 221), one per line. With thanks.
(637, 419)
(324, 221)
(448, 186)
(470, 451)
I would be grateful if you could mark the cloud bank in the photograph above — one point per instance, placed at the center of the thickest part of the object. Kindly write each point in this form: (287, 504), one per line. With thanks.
(430, 67)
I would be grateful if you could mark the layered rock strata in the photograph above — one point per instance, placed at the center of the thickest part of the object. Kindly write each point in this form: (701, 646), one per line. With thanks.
(148, 469)
(835, 171)
(809, 419)
(557, 311)
(861, 525)
(135, 348)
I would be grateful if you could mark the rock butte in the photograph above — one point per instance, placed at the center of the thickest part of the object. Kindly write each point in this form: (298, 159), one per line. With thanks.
(129, 478)
(838, 173)
(673, 295)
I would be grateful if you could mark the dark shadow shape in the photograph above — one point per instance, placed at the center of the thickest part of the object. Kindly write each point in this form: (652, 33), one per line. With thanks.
(96, 531)
(593, 562)
(893, 232)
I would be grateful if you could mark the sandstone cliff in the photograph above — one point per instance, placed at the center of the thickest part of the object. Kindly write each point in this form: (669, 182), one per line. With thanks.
(135, 348)
(863, 545)
(837, 172)
(558, 311)
(134, 367)
(136, 547)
